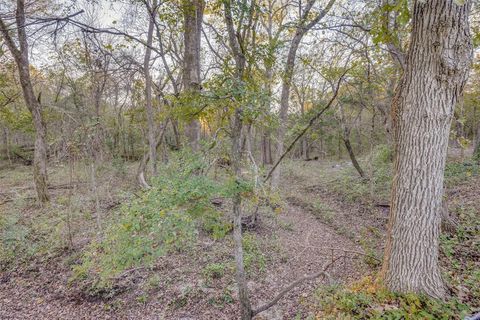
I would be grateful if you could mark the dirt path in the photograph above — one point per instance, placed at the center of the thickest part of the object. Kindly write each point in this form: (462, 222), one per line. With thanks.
(310, 244)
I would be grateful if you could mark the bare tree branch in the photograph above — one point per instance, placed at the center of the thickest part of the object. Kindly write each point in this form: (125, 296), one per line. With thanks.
(310, 123)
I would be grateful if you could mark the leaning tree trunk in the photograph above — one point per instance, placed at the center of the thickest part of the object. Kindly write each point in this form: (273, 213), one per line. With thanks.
(20, 54)
(351, 154)
(436, 70)
(193, 16)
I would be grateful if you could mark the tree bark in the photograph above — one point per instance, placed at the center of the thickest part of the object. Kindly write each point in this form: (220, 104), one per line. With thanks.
(266, 132)
(236, 155)
(152, 12)
(193, 17)
(241, 278)
(20, 55)
(302, 29)
(351, 154)
(476, 147)
(436, 70)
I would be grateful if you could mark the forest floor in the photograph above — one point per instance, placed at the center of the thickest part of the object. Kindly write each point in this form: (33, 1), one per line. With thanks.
(326, 213)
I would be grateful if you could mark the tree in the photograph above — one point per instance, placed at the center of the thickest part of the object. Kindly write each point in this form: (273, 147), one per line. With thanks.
(193, 16)
(20, 54)
(435, 73)
(152, 10)
(303, 27)
(239, 40)
(476, 145)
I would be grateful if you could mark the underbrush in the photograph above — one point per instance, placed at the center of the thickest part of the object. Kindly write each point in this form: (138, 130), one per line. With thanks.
(166, 218)
(458, 172)
(21, 240)
(29, 233)
(365, 299)
(379, 169)
(461, 258)
(376, 188)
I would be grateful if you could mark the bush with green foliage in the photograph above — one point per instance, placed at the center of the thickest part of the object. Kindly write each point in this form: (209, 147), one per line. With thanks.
(214, 271)
(458, 172)
(378, 167)
(254, 258)
(165, 218)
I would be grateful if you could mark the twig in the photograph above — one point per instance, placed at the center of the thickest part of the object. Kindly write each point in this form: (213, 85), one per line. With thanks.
(339, 249)
(121, 275)
(294, 284)
(310, 123)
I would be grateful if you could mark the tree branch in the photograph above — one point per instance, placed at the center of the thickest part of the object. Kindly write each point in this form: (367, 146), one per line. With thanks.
(294, 284)
(310, 123)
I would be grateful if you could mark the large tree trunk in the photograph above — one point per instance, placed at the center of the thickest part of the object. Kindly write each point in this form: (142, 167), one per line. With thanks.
(20, 54)
(436, 70)
(193, 16)
(152, 12)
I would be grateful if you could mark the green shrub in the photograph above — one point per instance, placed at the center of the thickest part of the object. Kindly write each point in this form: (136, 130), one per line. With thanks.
(165, 218)
(13, 237)
(254, 258)
(22, 239)
(214, 271)
(458, 172)
(382, 155)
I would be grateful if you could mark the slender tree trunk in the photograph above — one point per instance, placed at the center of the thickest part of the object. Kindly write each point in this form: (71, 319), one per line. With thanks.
(304, 145)
(476, 147)
(436, 69)
(265, 146)
(237, 219)
(148, 88)
(146, 157)
(93, 177)
(20, 54)
(236, 155)
(7, 144)
(193, 16)
(266, 134)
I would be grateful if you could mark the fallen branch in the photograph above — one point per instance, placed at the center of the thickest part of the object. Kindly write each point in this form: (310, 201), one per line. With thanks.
(12, 199)
(66, 185)
(294, 284)
(6, 201)
(126, 272)
(339, 249)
